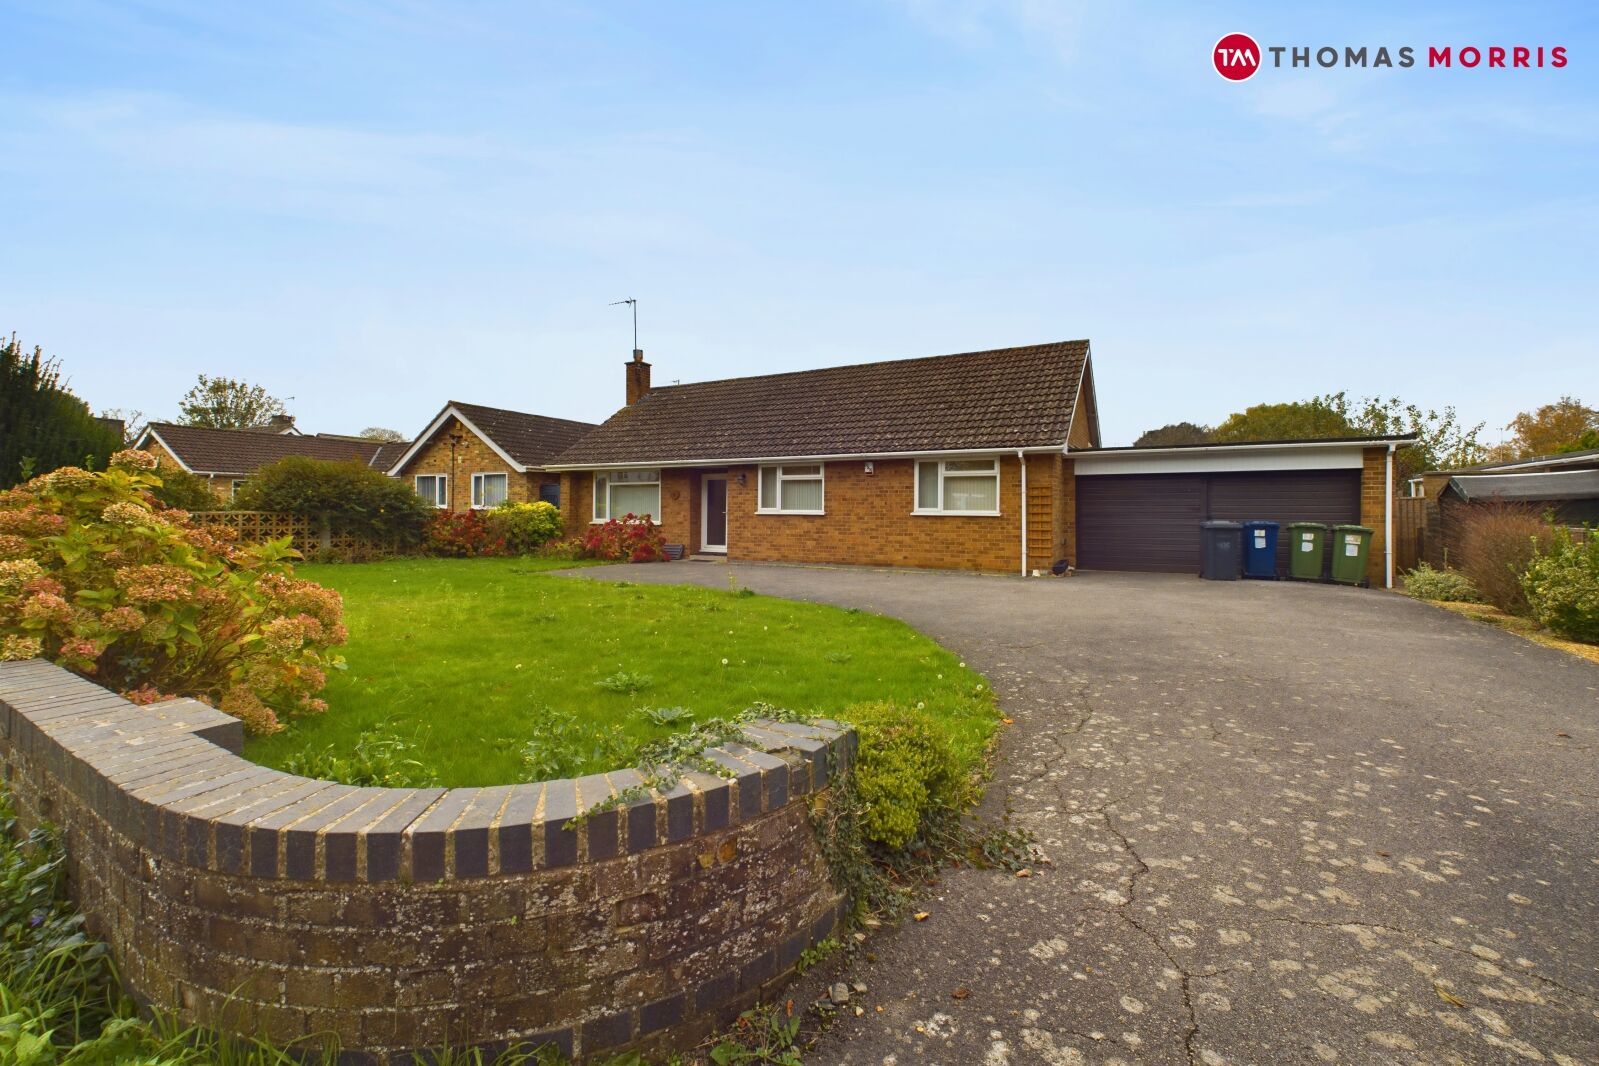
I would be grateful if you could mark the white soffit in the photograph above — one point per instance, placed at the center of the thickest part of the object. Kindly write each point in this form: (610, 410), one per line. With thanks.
(1216, 462)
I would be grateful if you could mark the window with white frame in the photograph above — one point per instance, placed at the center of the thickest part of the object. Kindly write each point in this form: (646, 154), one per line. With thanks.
(957, 486)
(233, 487)
(791, 489)
(434, 489)
(489, 490)
(627, 492)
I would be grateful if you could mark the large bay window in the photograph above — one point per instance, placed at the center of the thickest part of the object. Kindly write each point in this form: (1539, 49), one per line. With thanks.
(791, 489)
(627, 492)
(434, 489)
(489, 490)
(957, 486)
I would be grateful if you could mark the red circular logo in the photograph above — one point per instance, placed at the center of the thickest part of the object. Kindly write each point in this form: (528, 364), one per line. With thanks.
(1236, 56)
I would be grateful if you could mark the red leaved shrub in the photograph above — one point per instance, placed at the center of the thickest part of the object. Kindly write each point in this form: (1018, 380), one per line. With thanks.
(462, 534)
(636, 539)
(1497, 542)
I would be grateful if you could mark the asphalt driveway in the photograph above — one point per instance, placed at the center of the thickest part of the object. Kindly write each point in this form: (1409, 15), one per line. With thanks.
(1287, 824)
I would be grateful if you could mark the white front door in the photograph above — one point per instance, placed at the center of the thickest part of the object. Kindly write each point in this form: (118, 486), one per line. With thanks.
(713, 513)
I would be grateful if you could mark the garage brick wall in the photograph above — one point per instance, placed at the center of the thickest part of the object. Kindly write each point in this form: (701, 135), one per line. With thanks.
(1373, 500)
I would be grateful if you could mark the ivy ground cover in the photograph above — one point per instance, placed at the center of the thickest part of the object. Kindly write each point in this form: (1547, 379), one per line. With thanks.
(468, 658)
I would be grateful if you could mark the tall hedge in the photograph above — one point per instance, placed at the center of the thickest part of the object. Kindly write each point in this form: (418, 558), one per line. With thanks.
(43, 426)
(350, 497)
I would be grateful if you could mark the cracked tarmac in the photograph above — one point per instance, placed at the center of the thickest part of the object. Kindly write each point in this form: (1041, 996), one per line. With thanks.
(1287, 824)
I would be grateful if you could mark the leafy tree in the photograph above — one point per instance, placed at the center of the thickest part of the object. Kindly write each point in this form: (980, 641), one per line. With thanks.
(43, 426)
(1174, 434)
(226, 403)
(1299, 420)
(1554, 427)
(349, 496)
(1588, 441)
(1442, 442)
(384, 434)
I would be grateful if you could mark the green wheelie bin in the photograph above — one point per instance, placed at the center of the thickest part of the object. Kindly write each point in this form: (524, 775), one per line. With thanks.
(1307, 550)
(1351, 544)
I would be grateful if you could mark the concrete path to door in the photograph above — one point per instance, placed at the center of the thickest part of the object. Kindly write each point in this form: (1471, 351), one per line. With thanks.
(1287, 824)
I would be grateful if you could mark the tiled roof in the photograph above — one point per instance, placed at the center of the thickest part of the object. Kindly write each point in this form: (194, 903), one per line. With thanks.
(1001, 399)
(532, 440)
(237, 451)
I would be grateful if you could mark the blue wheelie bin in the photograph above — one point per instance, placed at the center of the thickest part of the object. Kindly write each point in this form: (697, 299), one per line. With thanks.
(1260, 549)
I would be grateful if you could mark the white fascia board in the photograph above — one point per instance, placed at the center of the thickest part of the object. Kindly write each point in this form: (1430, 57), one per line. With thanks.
(144, 439)
(1212, 461)
(667, 464)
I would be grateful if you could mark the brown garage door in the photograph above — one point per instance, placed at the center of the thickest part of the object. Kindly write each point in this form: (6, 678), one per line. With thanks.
(1151, 521)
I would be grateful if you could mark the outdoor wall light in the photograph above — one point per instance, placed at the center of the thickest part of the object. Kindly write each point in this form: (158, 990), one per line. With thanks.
(741, 479)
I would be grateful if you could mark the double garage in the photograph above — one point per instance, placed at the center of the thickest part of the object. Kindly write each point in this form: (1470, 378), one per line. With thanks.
(1141, 508)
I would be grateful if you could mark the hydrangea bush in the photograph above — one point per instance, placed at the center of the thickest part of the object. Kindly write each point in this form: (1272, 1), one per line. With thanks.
(632, 537)
(98, 577)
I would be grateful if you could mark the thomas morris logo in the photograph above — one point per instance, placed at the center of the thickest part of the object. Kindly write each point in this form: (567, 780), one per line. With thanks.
(1237, 57)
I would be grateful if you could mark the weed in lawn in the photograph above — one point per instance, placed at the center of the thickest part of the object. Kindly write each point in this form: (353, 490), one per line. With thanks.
(666, 716)
(562, 746)
(625, 682)
(377, 760)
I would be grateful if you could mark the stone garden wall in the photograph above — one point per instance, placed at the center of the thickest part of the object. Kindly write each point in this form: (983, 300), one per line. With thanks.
(395, 920)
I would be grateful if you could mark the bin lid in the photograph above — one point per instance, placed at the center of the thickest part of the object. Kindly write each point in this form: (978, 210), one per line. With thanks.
(1215, 524)
(1260, 523)
(1307, 525)
(1353, 529)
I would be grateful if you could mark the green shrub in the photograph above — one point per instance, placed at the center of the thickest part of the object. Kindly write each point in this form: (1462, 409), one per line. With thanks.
(526, 527)
(906, 772)
(570, 548)
(1497, 542)
(1562, 587)
(1450, 586)
(151, 605)
(377, 760)
(184, 491)
(350, 497)
(43, 426)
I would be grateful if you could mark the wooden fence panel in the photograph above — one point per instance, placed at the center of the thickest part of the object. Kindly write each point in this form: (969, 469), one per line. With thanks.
(310, 537)
(1410, 532)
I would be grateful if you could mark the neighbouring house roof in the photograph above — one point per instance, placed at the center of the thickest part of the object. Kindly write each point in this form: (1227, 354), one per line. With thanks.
(1286, 442)
(240, 452)
(525, 441)
(1003, 399)
(1587, 458)
(1552, 485)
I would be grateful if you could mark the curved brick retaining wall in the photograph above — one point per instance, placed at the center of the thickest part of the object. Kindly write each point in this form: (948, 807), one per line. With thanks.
(395, 920)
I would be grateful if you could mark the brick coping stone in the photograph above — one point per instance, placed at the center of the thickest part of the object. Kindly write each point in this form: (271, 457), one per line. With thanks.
(398, 920)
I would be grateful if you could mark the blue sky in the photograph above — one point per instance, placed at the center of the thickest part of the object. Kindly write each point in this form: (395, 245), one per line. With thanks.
(375, 207)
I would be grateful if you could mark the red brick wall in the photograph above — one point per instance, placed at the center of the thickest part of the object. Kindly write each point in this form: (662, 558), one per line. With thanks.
(1373, 493)
(253, 901)
(472, 456)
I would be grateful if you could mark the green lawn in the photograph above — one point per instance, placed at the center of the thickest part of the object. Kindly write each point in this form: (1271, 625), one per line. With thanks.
(462, 654)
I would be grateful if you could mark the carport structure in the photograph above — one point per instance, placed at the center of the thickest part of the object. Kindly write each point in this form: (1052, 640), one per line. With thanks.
(1140, 508)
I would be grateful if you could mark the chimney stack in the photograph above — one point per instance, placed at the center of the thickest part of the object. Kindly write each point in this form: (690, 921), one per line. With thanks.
(638, 377)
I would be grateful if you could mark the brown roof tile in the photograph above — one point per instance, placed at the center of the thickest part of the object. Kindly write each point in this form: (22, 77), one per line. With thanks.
(1000, 399)
(237, 451)
(532, 440)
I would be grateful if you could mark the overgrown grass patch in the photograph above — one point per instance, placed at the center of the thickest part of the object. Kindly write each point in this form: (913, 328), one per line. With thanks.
(470, 658)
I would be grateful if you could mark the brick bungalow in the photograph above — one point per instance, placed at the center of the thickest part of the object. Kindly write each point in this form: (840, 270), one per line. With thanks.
(228, 457)
(473, 457)
(978, 461)
(915, 462)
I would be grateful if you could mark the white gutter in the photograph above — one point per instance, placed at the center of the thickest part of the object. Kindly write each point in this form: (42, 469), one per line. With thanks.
(1202, 449)
(1021, 457)
(1388, 521)
(832, 458)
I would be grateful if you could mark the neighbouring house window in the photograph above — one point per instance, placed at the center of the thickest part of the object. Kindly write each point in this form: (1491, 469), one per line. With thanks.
(489, 490)
(792, 489)
(624, 492)
(550, 492)
(233, 488)
(957, 486)
(434, 489)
